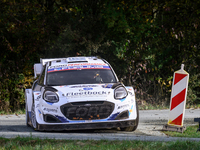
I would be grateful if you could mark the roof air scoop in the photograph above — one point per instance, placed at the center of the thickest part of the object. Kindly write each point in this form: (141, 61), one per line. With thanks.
(77, 60)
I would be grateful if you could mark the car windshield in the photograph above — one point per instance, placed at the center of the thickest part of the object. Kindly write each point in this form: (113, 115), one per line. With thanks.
(80, 76)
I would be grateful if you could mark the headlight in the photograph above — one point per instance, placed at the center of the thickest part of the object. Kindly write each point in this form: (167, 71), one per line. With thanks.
(120, 93)
(51, 96)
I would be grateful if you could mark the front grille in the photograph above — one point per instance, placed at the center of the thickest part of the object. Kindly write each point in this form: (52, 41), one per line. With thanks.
(87, 110)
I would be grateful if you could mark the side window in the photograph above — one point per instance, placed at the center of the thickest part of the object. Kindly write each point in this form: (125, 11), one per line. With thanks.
(41, 79)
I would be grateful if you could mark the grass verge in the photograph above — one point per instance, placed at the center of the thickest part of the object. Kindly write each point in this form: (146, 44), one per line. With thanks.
(49, 144)
(11, 113)
(190, 132)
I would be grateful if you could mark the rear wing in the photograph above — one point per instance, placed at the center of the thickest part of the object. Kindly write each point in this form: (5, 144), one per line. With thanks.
(44, 61)
(38, 66)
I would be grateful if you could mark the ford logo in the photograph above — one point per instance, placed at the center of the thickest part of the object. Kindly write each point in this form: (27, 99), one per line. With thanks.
(87, 88)
(88, 105)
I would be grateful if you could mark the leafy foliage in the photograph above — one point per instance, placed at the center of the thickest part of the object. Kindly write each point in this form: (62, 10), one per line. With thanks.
(145, 42)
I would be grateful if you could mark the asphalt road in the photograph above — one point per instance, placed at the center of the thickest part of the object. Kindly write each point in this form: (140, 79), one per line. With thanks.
(149, 129)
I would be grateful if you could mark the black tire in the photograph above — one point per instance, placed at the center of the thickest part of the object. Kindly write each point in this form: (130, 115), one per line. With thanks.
(27, 117)
(132, 128)
(33, 118)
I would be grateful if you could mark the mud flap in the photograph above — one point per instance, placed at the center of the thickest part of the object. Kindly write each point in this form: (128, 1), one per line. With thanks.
(28, 99)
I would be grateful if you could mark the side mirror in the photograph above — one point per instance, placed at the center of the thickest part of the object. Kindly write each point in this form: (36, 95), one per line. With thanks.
(37, 69)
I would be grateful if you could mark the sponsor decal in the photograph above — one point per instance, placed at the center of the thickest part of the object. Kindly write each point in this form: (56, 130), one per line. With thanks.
(63, 86)
(87, 64)
(131, 93)
(132, 101)
(58, 66)
(38, 97)
(50, 110)
(39, 111)
(49, 103)
(131, 110)
(123, 99)
(80, 64)
(86, 89)
(123, 106)
(63, 68)
(86, 93)
(83, 86)
(107, 85)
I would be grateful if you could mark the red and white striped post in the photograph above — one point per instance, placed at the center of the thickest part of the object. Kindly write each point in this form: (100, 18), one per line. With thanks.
(178, 101)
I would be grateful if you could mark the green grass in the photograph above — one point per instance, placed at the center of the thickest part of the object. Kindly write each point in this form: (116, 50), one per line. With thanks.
(47, 144)
(191, 132)
(152, 107)
(30, 143)
(11, 113)
(149, 106)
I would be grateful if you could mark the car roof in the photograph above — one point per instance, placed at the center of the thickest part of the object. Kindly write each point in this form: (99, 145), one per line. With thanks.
(72, 60)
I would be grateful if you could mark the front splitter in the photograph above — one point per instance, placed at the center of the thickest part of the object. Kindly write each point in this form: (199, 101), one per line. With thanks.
(82, 126)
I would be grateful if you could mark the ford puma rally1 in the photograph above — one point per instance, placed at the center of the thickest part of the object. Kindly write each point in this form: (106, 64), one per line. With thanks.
(77, 93)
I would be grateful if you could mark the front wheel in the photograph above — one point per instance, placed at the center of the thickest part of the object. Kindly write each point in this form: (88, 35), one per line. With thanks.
(132, 128)
(33, 118)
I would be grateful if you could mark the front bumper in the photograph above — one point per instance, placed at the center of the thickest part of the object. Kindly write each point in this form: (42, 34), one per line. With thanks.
(82, 126)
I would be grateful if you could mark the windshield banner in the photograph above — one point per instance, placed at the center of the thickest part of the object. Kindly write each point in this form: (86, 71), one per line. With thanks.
(64, 68)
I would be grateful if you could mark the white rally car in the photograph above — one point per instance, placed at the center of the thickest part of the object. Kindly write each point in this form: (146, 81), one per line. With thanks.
(79, 93)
